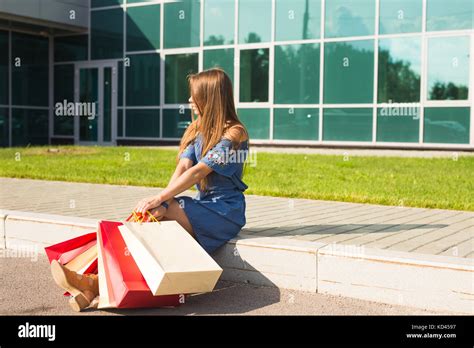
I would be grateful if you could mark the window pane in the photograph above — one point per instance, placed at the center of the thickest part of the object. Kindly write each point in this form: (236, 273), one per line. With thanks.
(89, 93)
(177, 68)
(102, 3)
(137, 1)
(257, 122)
(297, 74)
(143, 80)
(349, 72)
(3, 67)
(446, 125)
(143, 28)
(400, 16)
(458, 14)
(175, 122)
(142, 123)
(107, 104)
(223, 59)
(448, 68)
(298, 20)
(182, 23)
(29, 126)
(296, 124)
(107, 34)
(254, 75)
(255, 21)
(398, 124)
(351, 124)
(120, 83)
(70, 48)
(29, 70)
(120, 123)
(4, 127)
(349, 18)
(219, 22)
(399, 70)
(63, 92)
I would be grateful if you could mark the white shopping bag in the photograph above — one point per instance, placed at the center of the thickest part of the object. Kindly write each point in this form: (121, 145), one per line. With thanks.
(169, 258)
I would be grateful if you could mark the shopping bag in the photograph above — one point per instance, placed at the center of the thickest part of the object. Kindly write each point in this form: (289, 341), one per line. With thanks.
(66, 251)
(170, 259)
(121, 284)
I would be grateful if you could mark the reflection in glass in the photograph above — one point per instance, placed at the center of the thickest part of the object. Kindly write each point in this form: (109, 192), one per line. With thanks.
(349, 72)
(255, 20)
(400, 16)
(348, 124)
(447, 125)
(452, 15)
(222, 58)
(296, 124)
(107, 34)
(4, 137)
(298, 20)
(29, 126)
(88, 93)
(143, 28)
(448, 68)
(257, 122)
(63, 90)
(103, 3)
(107, 112)
(142, 123)
(297, 74)
(30, 78)
(70, 48)
(177, 68)
(254, 75)
(3, 67)
(399, 70)
(175, 122)
(399, 123)
(182, 24)
(219, 22)
(143, 80)
(349, 18)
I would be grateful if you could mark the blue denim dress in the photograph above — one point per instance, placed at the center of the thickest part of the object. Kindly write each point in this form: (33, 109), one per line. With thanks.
(217, 214)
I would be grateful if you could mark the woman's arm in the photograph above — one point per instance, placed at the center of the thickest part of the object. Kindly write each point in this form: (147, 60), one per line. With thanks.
(183, 165)
(185, 181)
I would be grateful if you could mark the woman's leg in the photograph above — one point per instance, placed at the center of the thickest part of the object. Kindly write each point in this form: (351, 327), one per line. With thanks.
(176, 212)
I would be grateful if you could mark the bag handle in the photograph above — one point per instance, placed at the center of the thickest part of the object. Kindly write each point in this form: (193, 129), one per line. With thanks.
(134, 217)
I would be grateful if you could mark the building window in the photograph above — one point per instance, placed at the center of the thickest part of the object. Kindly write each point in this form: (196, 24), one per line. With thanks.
(448, 68)
(255, 21)
(219, 21)
(257, 122)
(254, 75)
(349, 72)
(349, 18)
(296, 123)
(182, 24)
(297, 74)
(347, 124)
(143, 28)
(399, 70)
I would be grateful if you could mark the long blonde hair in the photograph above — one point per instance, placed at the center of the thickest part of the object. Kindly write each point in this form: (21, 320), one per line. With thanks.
(211, 91)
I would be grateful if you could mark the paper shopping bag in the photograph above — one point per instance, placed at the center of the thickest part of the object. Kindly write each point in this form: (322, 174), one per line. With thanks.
(121, 284)
(170, 259)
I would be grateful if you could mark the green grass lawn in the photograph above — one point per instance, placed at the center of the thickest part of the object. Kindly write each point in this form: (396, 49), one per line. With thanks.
(416, 182)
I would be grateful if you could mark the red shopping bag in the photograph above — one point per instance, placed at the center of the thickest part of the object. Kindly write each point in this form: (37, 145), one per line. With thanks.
(126, 286)
(66, 251)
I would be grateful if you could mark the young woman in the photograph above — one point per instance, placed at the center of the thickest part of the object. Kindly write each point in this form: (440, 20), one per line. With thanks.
(211, 156)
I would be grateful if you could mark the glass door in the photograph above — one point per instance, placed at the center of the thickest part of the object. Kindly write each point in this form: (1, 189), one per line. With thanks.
(95, 103)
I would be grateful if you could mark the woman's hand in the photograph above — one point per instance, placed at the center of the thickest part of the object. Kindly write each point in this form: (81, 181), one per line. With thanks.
(158, 213)
(147, 204)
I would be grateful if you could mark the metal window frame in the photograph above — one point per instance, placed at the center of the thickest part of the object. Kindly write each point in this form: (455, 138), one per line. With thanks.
(321, 41)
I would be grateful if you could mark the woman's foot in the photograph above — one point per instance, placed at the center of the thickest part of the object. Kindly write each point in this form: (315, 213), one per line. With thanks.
(83, 288)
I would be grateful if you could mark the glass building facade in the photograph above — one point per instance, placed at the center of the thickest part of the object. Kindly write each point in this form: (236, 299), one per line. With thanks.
(372, 73)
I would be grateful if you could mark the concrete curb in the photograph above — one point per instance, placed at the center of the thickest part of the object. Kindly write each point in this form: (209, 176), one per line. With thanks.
(417, 280)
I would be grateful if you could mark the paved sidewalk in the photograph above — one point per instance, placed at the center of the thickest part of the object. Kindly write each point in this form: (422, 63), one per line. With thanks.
(425, 231)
